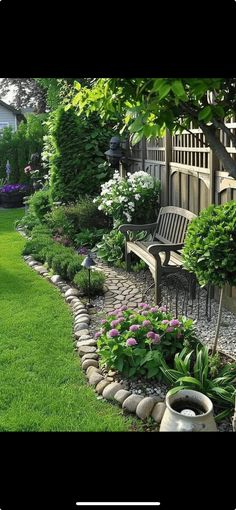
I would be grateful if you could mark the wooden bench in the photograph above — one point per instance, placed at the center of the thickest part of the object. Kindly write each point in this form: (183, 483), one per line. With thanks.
(163, 253)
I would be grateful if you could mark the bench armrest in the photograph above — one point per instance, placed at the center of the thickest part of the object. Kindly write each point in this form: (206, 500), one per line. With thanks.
(129, 226)
(156, 248)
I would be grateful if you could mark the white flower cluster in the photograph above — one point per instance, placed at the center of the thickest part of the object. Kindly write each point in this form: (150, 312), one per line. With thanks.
(119, 196)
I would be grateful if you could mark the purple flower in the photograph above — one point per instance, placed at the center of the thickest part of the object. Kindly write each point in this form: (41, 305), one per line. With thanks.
(124, 307)
(144, 312)
(154, 309)
(130, 342)
(111, 313)
(165, 321)
(163, 309)
(151, 335)
(97, 335)
(121, 319)
(119, 314)
(10, 188)
(103, 321)
(169, 330)
(113, 332)
(174, 323)
(134, 327)
(146, 323)
(143, 305)
(156, 339)
(115, 323)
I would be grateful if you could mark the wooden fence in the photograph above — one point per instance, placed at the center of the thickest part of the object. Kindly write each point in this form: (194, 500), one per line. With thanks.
(191, 176)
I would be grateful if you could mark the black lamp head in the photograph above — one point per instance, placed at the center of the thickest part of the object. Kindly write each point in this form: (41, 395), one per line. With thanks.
(88, 262)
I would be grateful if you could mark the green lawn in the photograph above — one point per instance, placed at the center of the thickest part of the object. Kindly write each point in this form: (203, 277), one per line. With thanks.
(42, 387)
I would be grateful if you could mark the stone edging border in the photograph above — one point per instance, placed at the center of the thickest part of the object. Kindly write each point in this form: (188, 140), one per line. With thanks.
(86, 347)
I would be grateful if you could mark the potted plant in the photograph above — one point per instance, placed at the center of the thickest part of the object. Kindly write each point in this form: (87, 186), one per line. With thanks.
(11, 195)
(210, 248)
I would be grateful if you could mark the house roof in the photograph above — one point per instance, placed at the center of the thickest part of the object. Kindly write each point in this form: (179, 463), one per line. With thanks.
(11, 108)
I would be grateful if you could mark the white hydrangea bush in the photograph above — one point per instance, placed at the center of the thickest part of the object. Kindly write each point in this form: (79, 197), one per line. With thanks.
(125, 199)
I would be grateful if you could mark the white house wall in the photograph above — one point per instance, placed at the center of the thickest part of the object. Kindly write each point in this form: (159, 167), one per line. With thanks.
(8, 116)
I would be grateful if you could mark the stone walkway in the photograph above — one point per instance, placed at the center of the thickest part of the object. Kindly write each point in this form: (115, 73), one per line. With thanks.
(120, 289)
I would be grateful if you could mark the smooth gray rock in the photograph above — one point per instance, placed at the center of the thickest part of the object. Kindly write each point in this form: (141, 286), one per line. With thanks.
(85, 337)
(89, 363)
(93, 369)
(110, 391)
(101, 386)
(83, 318)
(131, 403)
(78, 334)
(145, 407)
(121, 395)
(71, 292)
(158, 411)
(89, 356)
(95, 378)
(80, 343)
(56, 278)
(85, 349)
(32, 263)
(80, 326)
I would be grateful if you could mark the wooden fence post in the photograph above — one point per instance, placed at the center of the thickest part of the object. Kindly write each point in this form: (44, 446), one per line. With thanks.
(168, 157)
(213, 166)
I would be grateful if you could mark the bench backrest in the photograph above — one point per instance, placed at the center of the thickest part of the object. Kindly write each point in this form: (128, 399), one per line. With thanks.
(172, 223)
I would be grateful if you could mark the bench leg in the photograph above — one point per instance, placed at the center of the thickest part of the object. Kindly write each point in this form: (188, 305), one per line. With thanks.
(157, 279)
(127, 258)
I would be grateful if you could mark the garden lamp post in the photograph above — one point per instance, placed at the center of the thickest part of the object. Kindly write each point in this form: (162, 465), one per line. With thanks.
(87, 263)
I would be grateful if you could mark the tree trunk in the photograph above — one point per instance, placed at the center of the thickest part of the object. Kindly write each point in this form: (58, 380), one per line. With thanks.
(219, 149)
(218, 322)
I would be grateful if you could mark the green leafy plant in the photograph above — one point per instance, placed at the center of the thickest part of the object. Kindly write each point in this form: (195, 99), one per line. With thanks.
(97, 280)
(88, 237)
(112, 246)
(194, 371)
(28, 222)
(210, 247)
(136, 342)
(40, 204)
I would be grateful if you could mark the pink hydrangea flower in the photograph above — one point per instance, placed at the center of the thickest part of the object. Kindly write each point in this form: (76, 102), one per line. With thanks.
(113, 332)
(119, 314)
(97, 335)
(154, 309)
(144, 313)
(121, 319)
(163, 309)
(143, 305)
(146, 323)
(130, 342)
(165, 321)
(115, 323)
(169, 330)
(134, 327)
(151, 335)
(174, 323)
(103, 321)
(156, 339)
(124, 307)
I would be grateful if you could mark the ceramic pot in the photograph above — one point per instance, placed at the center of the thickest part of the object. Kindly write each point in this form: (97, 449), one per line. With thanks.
(188, 411)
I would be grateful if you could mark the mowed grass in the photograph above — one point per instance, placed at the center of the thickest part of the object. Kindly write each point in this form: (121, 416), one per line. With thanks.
(42, 387)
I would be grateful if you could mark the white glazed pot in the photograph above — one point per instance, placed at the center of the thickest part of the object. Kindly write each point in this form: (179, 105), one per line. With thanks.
(174, 421)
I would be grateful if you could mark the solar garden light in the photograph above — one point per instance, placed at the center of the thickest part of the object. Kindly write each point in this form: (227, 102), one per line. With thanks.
(87, 263)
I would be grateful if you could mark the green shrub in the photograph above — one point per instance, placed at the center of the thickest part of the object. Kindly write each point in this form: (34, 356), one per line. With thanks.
(85, 214)
(58, 222)
(40, 204)
(65, 160)
(89, 237)
(28, 222)
(97, 280)
(74, 266)
(34, 246)
(210, 245)
(137, 342)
